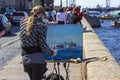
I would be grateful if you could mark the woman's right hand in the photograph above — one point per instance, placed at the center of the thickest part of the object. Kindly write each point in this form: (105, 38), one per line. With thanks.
(54, 53)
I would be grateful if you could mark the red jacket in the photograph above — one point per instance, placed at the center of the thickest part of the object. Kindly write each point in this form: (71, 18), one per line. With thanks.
(80, 14)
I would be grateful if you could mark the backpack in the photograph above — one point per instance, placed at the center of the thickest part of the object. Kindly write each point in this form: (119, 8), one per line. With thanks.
(54, 76)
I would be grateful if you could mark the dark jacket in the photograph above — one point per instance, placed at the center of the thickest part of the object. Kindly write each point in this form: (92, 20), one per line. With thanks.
(75, 19)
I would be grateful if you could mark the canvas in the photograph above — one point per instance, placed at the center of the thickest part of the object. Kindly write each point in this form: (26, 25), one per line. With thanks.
(67, 40)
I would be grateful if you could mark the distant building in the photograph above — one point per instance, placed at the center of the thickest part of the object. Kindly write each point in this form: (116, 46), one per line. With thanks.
(24, 4)
(44, 3)
(18, 4)
(1, 3)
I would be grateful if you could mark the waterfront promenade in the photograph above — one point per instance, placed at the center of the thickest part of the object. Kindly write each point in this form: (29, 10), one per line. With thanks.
(96, 70)
(14, 70)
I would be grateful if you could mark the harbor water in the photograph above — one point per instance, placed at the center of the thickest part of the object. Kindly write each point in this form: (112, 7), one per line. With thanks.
(110, 37)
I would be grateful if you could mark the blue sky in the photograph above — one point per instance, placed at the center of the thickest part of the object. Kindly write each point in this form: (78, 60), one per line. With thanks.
(91, 3)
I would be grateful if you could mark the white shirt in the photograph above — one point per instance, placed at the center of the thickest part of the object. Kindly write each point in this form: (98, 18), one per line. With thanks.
(53, 12)
(61, 17)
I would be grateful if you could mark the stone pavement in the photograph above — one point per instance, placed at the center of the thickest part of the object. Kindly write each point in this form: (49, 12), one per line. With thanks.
(14, 70)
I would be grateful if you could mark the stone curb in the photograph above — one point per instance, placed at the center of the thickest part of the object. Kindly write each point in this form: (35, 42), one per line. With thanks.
(94, 47)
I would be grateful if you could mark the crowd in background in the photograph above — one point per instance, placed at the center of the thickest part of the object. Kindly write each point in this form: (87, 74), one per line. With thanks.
(68, 15)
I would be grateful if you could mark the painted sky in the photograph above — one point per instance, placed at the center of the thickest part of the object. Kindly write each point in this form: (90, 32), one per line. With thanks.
(91, 3)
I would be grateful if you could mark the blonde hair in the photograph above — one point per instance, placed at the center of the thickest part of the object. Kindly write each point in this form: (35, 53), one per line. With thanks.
(37, 10)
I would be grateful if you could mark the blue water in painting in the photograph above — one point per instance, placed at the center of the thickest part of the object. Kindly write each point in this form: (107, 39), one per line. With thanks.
(67, 39)
(66, 54)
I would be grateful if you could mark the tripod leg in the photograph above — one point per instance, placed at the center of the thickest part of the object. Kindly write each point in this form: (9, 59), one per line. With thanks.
(66, 70)
(58, 65)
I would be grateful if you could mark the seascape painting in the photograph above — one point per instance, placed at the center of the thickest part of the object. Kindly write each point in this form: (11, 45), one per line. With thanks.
(67, 40)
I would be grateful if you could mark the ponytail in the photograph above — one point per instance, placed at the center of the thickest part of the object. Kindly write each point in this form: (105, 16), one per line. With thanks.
(29, 24)
(35, 11)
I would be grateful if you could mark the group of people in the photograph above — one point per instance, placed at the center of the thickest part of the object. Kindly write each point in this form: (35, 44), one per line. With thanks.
(33, 31)
(70, 15)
